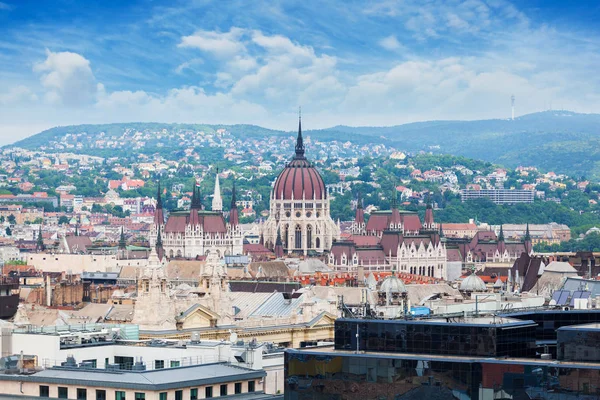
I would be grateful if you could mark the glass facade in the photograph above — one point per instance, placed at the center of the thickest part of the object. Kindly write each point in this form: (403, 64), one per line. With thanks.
(336, 376)
(579, 344)
(441, 338)
(549, 321)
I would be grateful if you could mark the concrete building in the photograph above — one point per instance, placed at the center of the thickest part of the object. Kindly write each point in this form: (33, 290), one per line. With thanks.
(103, 347)
(499, 196)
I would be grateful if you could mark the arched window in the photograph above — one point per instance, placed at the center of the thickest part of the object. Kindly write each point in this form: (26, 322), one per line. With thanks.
(309, 237)
(178, 253)
(286, 236)
(318, 243)
(298, 237)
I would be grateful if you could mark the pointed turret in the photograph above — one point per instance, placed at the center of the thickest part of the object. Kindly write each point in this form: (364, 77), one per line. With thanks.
(159, 216)
(429, 222)
(527, 240)
(217, 202)
(278, 245)
(359, 218)
(299, 140)
(441, 231)
(395, 220)
(195, 206)
(122, 240)
(501, 244)
(160, 251)
(234, 218)
(40, 240)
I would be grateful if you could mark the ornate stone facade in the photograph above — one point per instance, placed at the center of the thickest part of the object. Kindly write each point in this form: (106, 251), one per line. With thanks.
(197, 232)
(392, 240)
(299, 208)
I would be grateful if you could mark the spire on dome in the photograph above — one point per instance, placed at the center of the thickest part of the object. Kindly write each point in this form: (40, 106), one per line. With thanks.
(299, 140)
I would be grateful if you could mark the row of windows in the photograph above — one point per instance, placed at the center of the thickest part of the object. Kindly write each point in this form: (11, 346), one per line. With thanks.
(63, 392)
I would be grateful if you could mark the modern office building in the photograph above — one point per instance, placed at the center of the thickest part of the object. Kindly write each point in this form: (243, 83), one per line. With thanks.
(453, 358)
(499, 196)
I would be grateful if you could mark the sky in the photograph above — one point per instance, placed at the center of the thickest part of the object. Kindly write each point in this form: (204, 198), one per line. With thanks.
(345, 62)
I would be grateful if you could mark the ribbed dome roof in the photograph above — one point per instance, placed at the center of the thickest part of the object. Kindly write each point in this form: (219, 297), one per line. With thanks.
(392, 284)
(473, 283)
(299, 179)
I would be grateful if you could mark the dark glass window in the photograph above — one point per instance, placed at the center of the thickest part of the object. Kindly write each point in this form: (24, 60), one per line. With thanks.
(119, 395)
(63, 392)
(81, 394)
(140, 396)
(44, 391)
(238, 387)
(251, 386)
(100, 394)
(162, 396)
(179, 395)
(208, 392)
(194, 394)
(223, 391)
(158, 364)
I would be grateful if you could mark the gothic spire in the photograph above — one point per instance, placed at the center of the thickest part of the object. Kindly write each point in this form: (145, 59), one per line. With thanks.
(40, 239)
(217, 202)
(299, 140)
(441, 231)
(501, 234)
(122, 241)
(159, 204)
(233, 198)
(359, 203)
(527, 234)
(158, 240)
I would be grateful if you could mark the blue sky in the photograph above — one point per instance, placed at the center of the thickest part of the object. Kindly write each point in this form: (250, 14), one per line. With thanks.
(346, 62)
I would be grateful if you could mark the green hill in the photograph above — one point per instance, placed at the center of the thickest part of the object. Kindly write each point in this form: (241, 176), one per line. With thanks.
(561, 141)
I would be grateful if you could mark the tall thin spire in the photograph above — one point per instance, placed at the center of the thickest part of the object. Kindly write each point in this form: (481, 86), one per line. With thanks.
(501, 234)
(527, 234)
(233, 197)
(40, 240)
(159, 204)
(217, 202)
(234, 218)
(299, 140)
(122, 240)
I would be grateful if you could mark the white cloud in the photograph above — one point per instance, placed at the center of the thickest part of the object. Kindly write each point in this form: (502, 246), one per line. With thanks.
(67, 78)
(390, 43)
(189, 65)
(226, 44)
(17, 95)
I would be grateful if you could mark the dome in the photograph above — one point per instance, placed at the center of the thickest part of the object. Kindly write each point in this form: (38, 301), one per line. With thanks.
(299, 179)
(392, 284)
(473, 283)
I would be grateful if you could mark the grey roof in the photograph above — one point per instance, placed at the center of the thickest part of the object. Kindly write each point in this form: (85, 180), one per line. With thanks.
(277, 306)
(99, 275)
(585, 327)
(159, 379)
(560, 266)
(573, 284)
